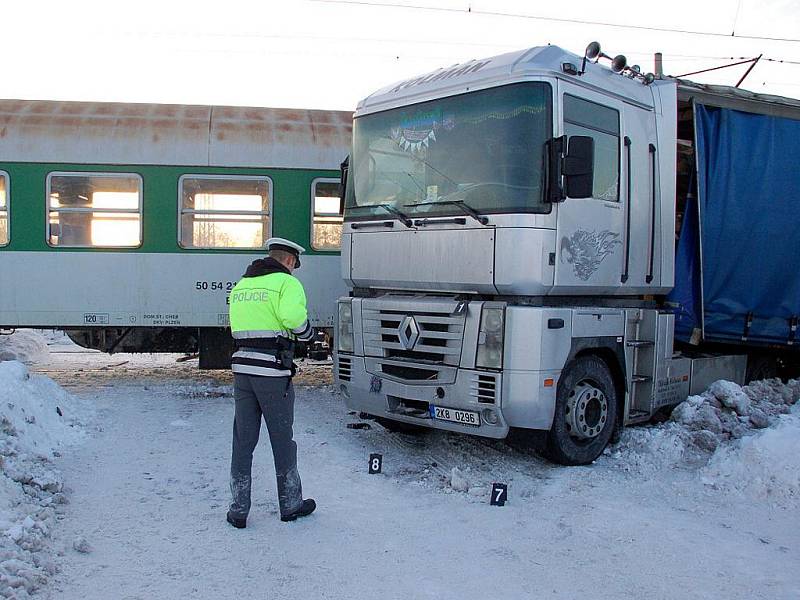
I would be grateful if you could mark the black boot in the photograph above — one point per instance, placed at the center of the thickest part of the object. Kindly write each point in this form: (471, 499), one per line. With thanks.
(306, 508)
(238, 522)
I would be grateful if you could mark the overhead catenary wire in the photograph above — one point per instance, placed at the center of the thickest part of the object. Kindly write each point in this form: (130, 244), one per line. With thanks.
(493, 13)
(744, 62)
(689, 57)
(736, 18)
(428, 42)
(750, 68)
(752, 61)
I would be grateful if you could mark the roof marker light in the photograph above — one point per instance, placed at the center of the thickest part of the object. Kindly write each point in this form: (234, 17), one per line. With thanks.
(569, 68)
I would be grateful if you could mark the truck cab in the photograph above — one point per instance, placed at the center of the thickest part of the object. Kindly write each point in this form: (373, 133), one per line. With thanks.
(508, 225)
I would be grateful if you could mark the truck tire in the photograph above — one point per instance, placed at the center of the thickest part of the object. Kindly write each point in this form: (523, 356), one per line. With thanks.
(586, 412)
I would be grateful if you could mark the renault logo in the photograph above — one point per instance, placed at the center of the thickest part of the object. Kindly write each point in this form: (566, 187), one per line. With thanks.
(408, 332)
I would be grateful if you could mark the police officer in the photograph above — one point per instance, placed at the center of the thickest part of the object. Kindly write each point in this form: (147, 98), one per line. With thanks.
(267, 312)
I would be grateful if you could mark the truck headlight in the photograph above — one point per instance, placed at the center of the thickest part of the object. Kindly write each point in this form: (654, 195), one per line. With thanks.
(345, 327)
(490, 338)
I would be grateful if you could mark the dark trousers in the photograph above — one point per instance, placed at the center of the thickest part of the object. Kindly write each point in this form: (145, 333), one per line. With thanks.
(272, 398)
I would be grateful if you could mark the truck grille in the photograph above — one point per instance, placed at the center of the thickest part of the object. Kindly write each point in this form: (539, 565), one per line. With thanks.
(407, 373)
(435, 336)
(484, 388)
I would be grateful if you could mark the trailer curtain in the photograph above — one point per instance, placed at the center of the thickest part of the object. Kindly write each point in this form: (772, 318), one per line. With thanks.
(749, 198)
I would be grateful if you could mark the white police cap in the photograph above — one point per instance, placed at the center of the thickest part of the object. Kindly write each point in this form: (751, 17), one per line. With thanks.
(287, 246)
(277, 243)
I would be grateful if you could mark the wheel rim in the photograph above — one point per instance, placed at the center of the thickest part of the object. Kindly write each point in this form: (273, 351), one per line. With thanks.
(586, 411)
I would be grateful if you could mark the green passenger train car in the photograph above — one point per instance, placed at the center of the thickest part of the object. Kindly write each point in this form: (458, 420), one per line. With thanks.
(127, 225)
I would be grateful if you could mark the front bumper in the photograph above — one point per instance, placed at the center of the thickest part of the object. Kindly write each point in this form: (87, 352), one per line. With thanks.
(502, 399)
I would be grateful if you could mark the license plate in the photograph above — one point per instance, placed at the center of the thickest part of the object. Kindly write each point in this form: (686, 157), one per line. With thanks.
(462, 417)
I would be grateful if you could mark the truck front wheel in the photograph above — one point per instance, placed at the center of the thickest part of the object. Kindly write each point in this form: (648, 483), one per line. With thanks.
(586, 412)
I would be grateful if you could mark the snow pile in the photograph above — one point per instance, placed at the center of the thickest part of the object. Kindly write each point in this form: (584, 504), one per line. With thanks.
(37, 418)
(36, 415)
(726, 410)
(740, 439)
(649, 450)
(24, 345)
(765, 466)
(58, 341)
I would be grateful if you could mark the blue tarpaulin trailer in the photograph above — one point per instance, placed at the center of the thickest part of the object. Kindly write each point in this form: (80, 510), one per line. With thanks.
(737, 271)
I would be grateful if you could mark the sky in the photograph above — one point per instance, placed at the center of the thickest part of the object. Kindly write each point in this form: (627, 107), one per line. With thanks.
(328, 54)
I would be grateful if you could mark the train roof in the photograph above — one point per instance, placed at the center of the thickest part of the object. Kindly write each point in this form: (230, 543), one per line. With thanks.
(172, 134)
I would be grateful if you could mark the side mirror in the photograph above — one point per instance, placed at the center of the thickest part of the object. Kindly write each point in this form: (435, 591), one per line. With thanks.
(578, 169)
(344, 170)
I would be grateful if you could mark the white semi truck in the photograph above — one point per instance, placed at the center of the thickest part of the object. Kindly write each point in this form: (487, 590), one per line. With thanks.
(510, 245)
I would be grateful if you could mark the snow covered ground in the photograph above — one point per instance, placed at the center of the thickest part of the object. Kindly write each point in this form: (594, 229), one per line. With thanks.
(701, 506)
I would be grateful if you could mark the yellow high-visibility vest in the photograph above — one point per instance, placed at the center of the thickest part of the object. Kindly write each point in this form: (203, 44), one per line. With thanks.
(269, 306)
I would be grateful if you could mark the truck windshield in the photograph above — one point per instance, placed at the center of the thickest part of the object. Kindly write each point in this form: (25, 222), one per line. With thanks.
(485, 149)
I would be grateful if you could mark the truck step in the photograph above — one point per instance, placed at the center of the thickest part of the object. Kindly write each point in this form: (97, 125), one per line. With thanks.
(639, 343)
(640, 378)
(638, 416)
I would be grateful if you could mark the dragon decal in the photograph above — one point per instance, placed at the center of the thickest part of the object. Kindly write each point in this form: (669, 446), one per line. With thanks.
(585, 250)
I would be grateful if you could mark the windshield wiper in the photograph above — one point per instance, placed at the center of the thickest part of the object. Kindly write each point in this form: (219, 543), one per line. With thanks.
(402, 217)
(465, 208)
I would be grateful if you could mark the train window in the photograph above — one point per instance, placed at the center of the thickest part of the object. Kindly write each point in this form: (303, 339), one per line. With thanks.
(224, 211)
(4, 237)
(88, 210)
(326, 227)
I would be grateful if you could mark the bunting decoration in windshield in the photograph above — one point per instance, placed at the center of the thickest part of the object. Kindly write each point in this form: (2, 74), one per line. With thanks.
(418, 131)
